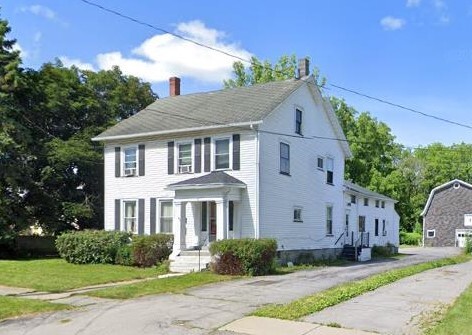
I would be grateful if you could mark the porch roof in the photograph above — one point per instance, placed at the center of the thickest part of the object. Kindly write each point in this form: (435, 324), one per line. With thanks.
(214, 179)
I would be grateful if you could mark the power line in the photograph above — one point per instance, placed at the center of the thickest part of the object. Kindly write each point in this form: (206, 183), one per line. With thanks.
(384, 101)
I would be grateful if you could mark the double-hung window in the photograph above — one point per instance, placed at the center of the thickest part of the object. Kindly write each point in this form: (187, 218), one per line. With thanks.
(166, 216)
(329, 220)
(185, 158)
(376, 227)
(320, 163)
(298, 121)
(329, 171)
(284, 158)
(130, 218)
(297, 214)
(130, 163)
(384, 228)
(222, 159)
(361, 223)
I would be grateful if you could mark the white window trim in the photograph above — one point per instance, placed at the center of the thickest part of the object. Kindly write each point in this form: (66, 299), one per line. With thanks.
(382, 204)
(301, 213)
(329, 158)
(365, 202)
(123, 216)
(289, 158)
(431, 230)
(379, 232)
(123, 156)
(329, 205)
(384, 227)
(295, 120)
(158, 203)
(352, 197)
(377, 203)
(213, 152)
(323, 163)
(176, 156)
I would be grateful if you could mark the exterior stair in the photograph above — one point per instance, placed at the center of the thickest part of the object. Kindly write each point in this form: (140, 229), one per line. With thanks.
(189, 261)
(349, 253)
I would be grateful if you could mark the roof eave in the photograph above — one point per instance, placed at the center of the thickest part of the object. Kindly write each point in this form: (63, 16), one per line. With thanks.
(204, 186)
(174, 131)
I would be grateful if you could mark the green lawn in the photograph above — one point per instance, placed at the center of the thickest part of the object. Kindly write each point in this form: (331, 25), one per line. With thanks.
(56, 275)
(158, 286)
(458, 319)
(12, 307)
(335, 295)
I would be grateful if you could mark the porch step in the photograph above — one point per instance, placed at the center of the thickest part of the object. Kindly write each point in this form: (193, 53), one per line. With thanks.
(189, 261)
(349, 253)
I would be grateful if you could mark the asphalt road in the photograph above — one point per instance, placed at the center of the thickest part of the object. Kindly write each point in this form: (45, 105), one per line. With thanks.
(202, 310)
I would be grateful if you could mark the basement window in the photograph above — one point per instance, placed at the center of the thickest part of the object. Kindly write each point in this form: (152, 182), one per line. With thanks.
(431, 233)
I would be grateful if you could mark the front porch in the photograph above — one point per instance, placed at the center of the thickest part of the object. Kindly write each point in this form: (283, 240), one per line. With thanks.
(205, 209)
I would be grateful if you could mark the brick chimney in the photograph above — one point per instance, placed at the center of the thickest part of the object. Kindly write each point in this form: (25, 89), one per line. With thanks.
(303, 67)
(174, 86)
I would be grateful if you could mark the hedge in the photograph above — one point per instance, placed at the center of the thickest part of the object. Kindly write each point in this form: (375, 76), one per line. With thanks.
(243, 256)
(151, 249)
(91, 246)
(410, 238)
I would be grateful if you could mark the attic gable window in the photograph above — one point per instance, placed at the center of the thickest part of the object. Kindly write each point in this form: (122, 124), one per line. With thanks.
(130, 163)
(284, 158)
(298, 121)
(329, 171)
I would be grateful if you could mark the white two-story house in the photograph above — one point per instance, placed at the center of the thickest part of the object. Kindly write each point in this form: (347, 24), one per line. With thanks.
(265, 161)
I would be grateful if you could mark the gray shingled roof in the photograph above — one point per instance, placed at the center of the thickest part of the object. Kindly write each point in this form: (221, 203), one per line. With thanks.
(215, 178)
(224, 107)
(364, 191)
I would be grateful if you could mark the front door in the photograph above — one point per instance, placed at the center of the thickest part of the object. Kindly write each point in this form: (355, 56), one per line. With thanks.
(212, 220)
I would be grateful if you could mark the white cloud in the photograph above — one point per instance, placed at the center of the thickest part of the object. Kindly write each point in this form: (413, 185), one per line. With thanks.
(413, 3)
(392, 23)
(37, 36)
(164, 56)
(40, 11)
(23, 53)
(68, 62)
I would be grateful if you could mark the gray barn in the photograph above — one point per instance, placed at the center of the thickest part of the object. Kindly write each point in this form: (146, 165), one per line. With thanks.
(447, 216)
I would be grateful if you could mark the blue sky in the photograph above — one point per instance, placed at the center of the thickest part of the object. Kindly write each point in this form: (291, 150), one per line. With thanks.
(417, 53)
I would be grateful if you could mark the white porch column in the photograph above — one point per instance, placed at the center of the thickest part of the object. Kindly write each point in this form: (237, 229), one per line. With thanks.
(221, 219)
(178, 228)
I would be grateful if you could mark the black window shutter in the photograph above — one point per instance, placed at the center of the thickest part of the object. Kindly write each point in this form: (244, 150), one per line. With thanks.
(142, 160)
(198, 155)
(117, 161)
(207, 155)
(170, 157)
(153, 216)
(141, 216)
(236, 152)
(117, 214)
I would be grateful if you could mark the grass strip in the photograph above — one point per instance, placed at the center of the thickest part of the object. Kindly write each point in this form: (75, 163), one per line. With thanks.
(56, 275)
(159, 286)
(457, 319)
(335, 295)
(13, 307)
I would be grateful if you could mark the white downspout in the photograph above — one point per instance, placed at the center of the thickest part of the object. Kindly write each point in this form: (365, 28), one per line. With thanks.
(258, 167)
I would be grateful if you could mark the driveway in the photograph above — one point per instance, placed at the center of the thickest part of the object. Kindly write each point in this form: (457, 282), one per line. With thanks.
(205, 309)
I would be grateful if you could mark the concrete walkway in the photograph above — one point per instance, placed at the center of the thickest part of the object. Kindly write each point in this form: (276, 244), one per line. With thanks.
(206, 309)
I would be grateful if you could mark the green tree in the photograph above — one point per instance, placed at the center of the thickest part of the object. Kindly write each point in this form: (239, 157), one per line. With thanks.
(14, 158)
(67, 107)
(259, 72)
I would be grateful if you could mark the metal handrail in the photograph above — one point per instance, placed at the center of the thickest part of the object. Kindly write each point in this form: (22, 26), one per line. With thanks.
(342, 234)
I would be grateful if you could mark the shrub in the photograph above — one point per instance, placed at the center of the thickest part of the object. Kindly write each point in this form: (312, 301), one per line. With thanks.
(151, 249)
(410, 238)
(91, 246)
(244, 256)
(124, 255)
(382, 251)
(468, 245)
